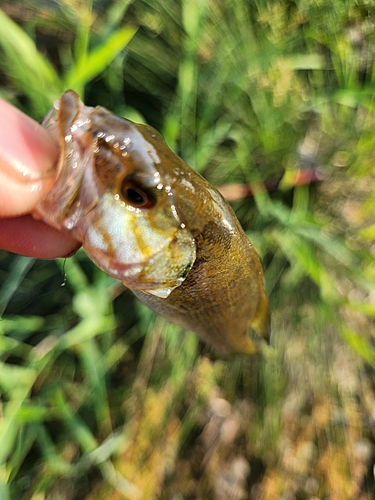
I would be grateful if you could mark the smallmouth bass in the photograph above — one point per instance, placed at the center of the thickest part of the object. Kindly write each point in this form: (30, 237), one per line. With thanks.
(148, 219)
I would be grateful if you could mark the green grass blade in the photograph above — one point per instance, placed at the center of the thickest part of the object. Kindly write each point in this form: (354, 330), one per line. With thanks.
(95, 376)
(75, 425)
(359, 344)
(301, 252)
(30, 71)
(17, 272)
(26, 437)
(98, 59)
(82, 41)
(17, 382)
(114, 15)
(56, 464)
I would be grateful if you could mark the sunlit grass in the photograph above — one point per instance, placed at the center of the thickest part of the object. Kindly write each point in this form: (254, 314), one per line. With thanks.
(100, 399)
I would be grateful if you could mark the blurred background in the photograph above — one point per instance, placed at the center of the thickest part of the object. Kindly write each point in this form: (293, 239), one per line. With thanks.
(102, 399)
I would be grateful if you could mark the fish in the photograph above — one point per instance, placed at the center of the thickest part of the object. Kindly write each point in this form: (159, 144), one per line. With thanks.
(148, 219)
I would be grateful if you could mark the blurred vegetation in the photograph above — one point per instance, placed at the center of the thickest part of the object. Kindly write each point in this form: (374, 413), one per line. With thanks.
(100, 398)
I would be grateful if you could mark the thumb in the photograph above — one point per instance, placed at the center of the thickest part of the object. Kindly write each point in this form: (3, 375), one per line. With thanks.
(27, 157)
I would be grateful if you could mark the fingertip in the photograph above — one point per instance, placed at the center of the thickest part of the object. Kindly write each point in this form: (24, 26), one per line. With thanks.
(28, 155)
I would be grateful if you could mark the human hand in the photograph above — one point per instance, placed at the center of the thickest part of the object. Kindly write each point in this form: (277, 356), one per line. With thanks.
(27, 157)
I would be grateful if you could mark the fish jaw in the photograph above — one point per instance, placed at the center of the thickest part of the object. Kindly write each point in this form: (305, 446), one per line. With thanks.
(145, 247)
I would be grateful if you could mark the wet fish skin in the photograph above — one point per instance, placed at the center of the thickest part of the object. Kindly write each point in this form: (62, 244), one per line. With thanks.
(184, 255)
(223, 294)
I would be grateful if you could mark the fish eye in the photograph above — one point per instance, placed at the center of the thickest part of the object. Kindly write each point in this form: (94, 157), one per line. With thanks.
(136, 196)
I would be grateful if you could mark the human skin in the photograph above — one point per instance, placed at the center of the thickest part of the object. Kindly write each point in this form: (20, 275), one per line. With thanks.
(28, 155)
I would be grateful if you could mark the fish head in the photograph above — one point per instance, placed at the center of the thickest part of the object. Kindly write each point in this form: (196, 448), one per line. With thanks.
(110, 196)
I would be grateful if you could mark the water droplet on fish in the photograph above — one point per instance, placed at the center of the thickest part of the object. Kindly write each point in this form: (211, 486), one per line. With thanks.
(163, 293)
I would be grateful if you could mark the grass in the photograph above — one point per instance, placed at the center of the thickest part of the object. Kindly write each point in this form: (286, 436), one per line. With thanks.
(100, 398)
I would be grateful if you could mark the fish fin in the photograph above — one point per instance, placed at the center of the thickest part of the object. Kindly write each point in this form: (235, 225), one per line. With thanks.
(262, 320)
(242, 344)
(249, 347)
(67, 113)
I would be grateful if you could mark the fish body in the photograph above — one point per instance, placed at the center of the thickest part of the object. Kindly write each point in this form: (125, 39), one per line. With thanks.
(223, 294)
(147, 218)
